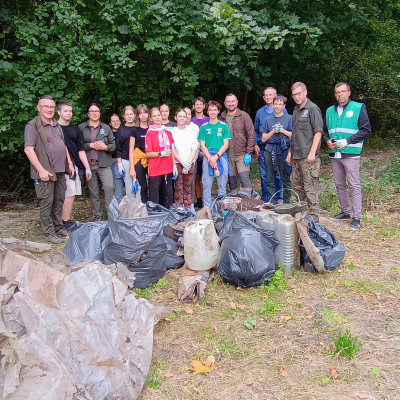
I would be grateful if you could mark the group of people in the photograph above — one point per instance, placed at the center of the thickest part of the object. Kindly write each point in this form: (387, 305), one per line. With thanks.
(148, 151)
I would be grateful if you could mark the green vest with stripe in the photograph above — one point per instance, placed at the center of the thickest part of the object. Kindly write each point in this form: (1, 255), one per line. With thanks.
(345, 126)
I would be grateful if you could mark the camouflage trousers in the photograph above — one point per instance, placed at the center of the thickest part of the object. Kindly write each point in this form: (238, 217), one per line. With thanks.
(304, 181)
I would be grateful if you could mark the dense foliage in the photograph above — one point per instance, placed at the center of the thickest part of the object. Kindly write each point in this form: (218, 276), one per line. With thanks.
(122, 52)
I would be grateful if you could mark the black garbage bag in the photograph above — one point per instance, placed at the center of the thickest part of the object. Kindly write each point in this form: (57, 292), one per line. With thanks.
(172, 260)
(86, 241)
(247, 252)
(331, 250)
(216, 206)
(138, 243)
(174, 215)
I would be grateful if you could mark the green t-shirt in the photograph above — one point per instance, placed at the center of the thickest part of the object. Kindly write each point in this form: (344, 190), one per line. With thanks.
(214, 134)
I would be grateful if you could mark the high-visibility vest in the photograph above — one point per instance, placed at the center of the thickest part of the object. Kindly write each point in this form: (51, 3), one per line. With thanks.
(345, 126)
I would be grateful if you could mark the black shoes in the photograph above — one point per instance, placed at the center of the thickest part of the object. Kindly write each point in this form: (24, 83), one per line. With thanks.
(68, 224)
(355, 224)
(341, 216)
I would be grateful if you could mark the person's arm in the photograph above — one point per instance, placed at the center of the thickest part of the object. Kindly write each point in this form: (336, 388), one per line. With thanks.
(43, 173)
(250, 133)
(267, 135)
(317, 126)
(71, 166)
(257, 126)
(315, 143)
(364, 128)
(132, 171)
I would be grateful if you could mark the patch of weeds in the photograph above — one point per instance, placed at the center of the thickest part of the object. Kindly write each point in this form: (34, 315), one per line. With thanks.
(350, 266)
(270, 308)
(315, 330)
(374, 372)
(394, 269)
(278, 281)
(368, 262)
(207, 334)
(144, 293)
(328, 198)
(229, 313)
(325, 380)
(231, 349)
(162, 282)
(250, 322)
(154, 379)
(331, 295)
(349, 283)
(331, 316)
(346, 344)
(172, 317)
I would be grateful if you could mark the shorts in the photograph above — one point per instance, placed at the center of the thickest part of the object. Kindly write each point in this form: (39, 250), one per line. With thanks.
(74, 187)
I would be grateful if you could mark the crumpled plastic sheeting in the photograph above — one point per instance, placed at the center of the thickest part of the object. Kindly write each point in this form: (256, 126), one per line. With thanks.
(95, 343)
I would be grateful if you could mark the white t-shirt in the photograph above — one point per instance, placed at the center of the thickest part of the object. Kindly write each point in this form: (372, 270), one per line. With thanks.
(185, 141)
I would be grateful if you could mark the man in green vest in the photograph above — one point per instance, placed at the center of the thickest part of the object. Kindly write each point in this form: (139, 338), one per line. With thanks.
(345, 129)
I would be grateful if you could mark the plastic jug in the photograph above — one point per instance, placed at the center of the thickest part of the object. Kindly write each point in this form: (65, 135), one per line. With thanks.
(284, 227)
(201, 245)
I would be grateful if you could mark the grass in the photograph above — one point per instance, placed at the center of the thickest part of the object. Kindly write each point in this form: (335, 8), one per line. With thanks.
(346, 344)
(154, 378)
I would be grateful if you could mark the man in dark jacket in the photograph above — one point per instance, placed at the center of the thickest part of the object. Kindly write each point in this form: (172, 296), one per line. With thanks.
(242, 143)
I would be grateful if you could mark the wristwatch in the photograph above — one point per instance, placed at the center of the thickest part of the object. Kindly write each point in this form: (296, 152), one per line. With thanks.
(159, 154)
(70, 163)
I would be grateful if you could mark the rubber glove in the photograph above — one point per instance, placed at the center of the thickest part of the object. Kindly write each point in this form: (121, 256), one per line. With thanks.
(88, 174)
(186, 164)
(174, 172)
(247, 159)
(166, 153)
(135, 186)
(121, 170)
(184, 171)
(341, 143)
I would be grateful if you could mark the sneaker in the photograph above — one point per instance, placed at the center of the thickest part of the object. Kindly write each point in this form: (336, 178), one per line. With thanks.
(341, 216)
(53, 238)
(62, 232)
(355, 224)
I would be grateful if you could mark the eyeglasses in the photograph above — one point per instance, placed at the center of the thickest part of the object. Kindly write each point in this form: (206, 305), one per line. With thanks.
(297, 94)
(48, 107)
(341, 92)
(94, 112)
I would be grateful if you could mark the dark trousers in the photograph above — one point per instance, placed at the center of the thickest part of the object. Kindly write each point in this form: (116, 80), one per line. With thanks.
(161, 189)
(287, 185)
(51, 195)
(141, 176)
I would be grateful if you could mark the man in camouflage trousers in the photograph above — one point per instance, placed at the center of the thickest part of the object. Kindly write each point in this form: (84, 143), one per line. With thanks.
(305, 144)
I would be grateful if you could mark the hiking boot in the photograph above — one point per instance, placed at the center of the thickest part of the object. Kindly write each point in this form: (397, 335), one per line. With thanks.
(355, 224)
(53, 238)
(199, 204)
(62, 232)
(342, 216)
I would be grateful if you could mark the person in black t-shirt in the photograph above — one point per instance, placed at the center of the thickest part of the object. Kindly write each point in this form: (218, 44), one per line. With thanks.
(74, 142)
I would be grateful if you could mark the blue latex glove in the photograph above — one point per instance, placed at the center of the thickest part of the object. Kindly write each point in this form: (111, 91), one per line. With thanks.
(135, 186)
(121, 170)
(174, 172)
(247, 159)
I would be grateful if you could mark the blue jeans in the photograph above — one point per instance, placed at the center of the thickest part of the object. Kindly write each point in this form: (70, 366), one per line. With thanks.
(117, 181)
(263, 176)
(208, 180)
(272, 177)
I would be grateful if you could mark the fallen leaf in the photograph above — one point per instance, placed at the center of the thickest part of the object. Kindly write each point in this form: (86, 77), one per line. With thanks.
(168, 375)
(215, 329)
(185, 349)
(263, 349)
(303, 373)
(239, 288)
(378, 295)
(284, 318)
(283, 372)
(336, 283)
(249, 382)
(199, 368)
(310, 316)
(362, 396)
(311, 283)
(241, 306)
(188, 310)
(167, 319)
(233, 306)
(366, 297)
(333, 372)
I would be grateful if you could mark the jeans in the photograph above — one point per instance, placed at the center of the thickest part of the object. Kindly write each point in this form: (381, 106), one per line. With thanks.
(118, 182)
(263, 176)
(208, 180)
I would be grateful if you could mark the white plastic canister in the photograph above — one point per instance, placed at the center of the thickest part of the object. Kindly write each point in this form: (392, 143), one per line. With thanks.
(201, 245)
(284, 227)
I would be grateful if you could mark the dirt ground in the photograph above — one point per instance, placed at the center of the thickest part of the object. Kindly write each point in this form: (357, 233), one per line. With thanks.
(287, 355)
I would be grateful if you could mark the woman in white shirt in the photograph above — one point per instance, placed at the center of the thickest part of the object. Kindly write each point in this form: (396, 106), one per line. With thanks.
(185, 152)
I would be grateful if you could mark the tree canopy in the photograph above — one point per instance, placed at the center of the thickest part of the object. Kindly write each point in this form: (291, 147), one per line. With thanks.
(120, 52)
